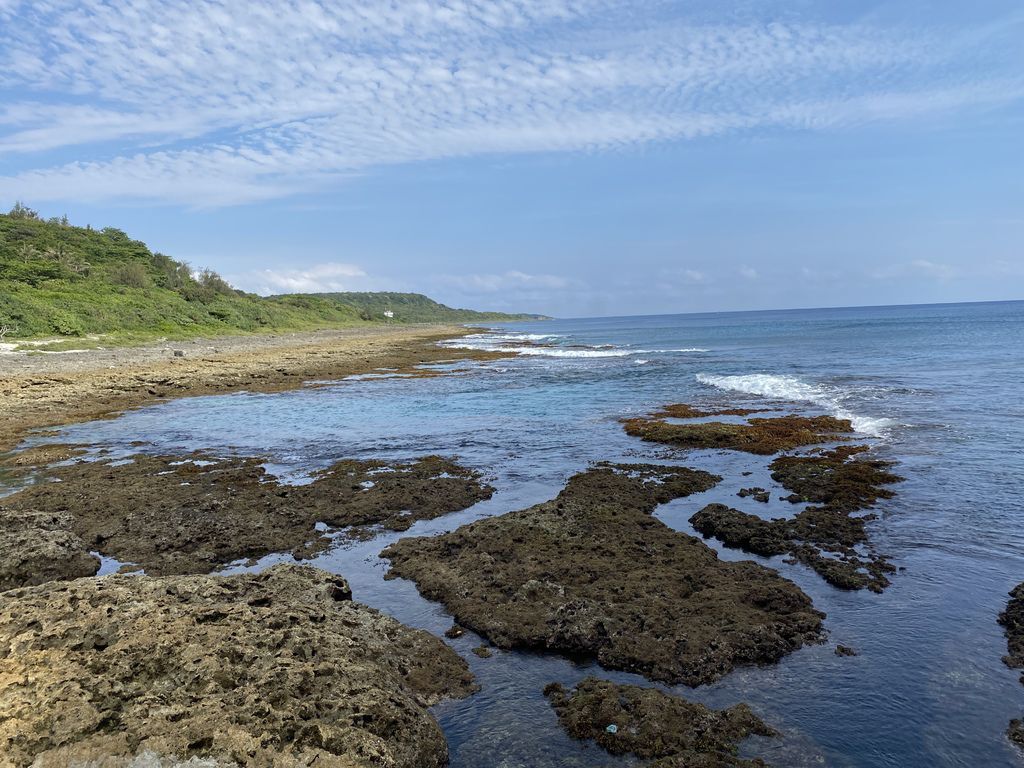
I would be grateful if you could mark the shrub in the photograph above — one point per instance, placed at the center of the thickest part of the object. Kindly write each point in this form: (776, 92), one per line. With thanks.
(131, 274)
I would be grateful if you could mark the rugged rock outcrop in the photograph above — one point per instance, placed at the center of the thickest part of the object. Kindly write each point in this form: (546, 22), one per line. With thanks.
(826, 536)
(192, 514)
(763, 436)
(36, 547)
(592, 572)
(673, 732)
(275, 669)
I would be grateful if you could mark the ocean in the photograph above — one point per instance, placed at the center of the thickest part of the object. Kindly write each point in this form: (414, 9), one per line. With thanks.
(937, 389)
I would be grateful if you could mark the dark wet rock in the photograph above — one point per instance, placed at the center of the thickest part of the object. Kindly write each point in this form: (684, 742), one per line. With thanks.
(825, 537)
(593, 573)
(836, 479)
(1015, 732)
(454, 631)
(483, 652)
(653, 725)
(684, 411)
(1012, 622)
(278, 668)
(36, 547)
(845, 650)
(763, 436)
(175, 515)
(759, 494)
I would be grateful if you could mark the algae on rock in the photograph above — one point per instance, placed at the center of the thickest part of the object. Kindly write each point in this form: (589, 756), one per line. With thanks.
(593, 572)
(192, 514)
(673, 732)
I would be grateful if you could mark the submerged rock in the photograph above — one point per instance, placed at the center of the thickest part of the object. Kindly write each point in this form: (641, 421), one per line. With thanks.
(675, 733)
(592, 572)
(758, 494)
(824, 537)
(763, 436)
(1012, 621)
(192, 514)
(36, 547)
(278, 668)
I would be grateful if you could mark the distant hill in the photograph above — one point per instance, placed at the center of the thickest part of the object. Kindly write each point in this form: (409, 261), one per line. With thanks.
(416, 308)
(61, 280)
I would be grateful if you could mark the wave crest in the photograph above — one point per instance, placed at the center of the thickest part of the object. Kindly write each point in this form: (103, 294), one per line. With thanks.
(791, 388)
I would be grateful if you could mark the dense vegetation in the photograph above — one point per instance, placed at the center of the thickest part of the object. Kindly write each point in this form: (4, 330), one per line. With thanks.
(415, 308)
(58, 279)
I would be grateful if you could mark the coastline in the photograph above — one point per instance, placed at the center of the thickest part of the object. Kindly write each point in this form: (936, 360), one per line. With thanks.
(49, 390)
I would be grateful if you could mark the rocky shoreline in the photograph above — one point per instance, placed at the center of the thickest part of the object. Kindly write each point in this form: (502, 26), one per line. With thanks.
(281, 668)
(171, 515)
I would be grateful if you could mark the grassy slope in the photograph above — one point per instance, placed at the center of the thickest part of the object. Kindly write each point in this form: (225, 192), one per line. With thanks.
(416, 308)
(56, 279)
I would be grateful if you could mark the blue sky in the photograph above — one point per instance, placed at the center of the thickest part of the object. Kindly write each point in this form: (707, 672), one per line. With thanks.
(574, 157)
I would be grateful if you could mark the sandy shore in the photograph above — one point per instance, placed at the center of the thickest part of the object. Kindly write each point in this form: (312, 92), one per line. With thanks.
(44, 390)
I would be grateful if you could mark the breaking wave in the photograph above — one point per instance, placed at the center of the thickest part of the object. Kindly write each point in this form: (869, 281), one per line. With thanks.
(528, 345)
(792, 388)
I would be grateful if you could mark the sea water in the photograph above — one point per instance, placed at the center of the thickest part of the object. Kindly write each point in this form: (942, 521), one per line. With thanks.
(936, 388)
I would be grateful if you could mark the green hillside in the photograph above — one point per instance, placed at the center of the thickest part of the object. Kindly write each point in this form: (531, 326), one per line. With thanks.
(416, 308)
(62, 280)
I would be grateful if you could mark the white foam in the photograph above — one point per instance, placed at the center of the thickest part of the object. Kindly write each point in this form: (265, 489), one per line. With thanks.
(566, 352)
(514, 343)
(792, 388)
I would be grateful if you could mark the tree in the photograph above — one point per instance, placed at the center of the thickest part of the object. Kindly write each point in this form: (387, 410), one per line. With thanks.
(22, 211)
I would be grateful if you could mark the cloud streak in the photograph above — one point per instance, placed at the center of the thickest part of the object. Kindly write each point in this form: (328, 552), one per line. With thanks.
(222, 102)
(318, 278)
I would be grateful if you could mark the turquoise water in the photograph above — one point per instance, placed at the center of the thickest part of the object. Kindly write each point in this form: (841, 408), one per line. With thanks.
(936, 388)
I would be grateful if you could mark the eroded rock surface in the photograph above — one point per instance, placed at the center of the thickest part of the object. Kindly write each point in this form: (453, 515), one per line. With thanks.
(275, 669)
(763, 436)
(826, 536)
(36, 547)
(176, 515)
(592, 572)
(672, 732)
(1012, 621)
(686, 411)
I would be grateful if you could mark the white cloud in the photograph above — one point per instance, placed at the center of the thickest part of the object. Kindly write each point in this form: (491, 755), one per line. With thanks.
(916, 268)
(933, 269)
(319, 278)
(748, 273)
(507, 282)
(219, 102)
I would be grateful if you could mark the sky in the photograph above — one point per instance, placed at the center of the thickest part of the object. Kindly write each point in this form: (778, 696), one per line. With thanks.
(568, 157)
